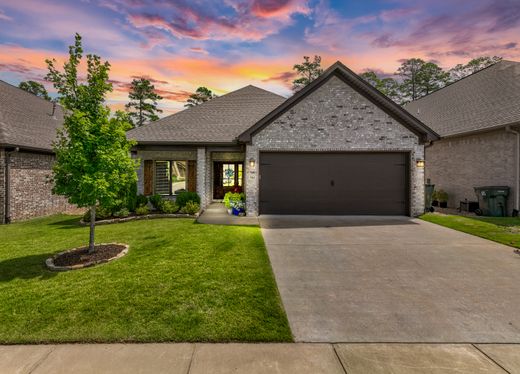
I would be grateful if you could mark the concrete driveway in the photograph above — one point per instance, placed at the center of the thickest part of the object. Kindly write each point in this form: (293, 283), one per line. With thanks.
(392, 279)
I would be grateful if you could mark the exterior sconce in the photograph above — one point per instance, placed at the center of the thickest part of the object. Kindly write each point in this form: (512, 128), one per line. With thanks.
(419, 163)
(252, 163)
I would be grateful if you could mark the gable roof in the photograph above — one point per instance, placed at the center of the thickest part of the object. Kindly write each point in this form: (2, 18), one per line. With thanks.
(217, 121)
(361, 86)
(26, 120)
(484, 100)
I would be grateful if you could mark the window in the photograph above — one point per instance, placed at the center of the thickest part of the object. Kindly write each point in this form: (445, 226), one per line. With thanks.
(232, 174)
(170, 177)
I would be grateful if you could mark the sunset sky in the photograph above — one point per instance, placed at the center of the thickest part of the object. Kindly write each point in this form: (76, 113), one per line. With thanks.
(228, 44)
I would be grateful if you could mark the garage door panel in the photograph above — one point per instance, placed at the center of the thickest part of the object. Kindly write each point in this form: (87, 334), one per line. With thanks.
(333, 183)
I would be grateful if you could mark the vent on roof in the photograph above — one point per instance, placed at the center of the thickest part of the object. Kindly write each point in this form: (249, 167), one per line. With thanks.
(53, 109)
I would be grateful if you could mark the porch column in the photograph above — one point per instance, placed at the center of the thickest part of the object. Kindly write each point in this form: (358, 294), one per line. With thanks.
(202, 177)
(251, 180)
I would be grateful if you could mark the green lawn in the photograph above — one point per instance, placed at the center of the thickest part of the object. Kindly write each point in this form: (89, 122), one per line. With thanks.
(180, 281)
(505, 230)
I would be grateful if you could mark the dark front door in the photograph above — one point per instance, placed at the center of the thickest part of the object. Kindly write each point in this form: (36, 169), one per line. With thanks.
(227, 176)
(334, 183)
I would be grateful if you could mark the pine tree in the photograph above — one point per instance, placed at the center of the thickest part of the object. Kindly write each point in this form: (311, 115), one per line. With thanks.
(143, 102)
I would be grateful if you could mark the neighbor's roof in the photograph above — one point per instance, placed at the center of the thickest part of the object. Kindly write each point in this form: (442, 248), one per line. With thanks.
(220, 120)
(360, 85)
(26, 120)
(484, 100)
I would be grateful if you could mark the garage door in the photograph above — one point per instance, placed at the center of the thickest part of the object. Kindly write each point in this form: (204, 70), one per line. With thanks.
(334, 183)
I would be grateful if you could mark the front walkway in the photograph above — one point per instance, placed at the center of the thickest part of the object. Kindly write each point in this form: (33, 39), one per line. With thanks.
(392, 279)
(216, 214)
(260, 358)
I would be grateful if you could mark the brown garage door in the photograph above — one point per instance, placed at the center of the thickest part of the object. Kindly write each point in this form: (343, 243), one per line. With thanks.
(334, 183)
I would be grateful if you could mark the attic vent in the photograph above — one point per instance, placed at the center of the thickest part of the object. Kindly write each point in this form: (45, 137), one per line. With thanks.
(418, 110)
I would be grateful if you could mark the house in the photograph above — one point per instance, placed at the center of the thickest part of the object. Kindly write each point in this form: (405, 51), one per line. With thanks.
(27, 129)
(337, 146)
(478, 118)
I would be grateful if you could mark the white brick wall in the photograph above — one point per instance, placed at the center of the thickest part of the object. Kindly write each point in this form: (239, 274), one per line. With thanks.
(335, 117)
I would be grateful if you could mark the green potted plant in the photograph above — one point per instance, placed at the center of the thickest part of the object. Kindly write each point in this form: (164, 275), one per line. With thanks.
(442, 196)
(435, 198)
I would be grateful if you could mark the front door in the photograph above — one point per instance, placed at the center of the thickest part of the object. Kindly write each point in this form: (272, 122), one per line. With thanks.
(227, 176)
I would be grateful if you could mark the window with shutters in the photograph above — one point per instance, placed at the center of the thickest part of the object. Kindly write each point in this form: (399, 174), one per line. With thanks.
(170, 177)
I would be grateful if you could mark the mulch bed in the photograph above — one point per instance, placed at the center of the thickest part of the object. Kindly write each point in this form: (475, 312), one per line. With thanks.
(81, 256)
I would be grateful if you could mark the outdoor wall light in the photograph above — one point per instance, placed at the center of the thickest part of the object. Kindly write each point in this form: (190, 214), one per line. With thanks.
(252, 162)
(420, 163)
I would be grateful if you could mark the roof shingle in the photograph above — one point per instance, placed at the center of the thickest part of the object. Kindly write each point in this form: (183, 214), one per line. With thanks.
(219, 120)
(26, 120)
(487, 99)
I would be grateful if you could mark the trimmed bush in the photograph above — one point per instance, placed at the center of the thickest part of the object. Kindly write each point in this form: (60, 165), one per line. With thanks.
(156, 201)
(101, 213)
(184, 197)
(142, 210)
(168, 207)
(122, 213)
(141, 200)
(191, 207)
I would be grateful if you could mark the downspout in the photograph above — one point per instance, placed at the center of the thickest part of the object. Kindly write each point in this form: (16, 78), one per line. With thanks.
(517, 165)
(7, 195)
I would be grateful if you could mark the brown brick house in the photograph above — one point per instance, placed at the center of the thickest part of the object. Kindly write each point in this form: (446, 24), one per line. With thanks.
(28, 127)
(477, 118)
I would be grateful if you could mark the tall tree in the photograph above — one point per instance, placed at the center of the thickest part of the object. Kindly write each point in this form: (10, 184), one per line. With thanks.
(463, 70)
(201, 95)
(35, 88)
(93, 164)
(388, 86)
(409, 72)
(143, 102)
(308, 71)
(431, 77)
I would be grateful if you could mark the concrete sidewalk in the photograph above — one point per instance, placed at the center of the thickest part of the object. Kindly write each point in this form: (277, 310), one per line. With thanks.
(261, 358)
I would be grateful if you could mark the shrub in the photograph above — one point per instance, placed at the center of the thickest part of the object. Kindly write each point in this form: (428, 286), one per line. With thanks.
(168, 207)
(155, 200)
(435, 196)
(141, 200)
(442, 196)
(122, 213)
(131, 198)
(101, 213)
(191, 207)
(184, 197)
(142, 210)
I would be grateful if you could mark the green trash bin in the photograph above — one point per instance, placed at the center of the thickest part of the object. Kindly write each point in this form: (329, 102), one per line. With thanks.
(493, 200)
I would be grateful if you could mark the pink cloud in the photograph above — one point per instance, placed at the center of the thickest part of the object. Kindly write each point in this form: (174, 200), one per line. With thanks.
(250, 20)
(4, 16)
(199, 50)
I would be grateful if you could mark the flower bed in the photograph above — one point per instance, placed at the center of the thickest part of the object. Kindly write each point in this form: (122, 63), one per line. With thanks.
(79, 258)
(136, 218)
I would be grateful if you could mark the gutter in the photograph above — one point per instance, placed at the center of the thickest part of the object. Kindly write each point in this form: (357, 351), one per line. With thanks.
(7, 197)
(517, 164)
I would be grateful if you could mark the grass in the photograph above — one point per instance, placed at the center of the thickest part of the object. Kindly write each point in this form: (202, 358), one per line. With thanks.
(505, 230)
(180, 281)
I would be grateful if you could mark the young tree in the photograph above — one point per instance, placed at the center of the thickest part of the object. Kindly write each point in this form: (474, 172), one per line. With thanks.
(143, 102)
(35, 88)
(463, 70)
(201, 95)
(431, 77)
(308, 71)
(93, 163)
(409, 71)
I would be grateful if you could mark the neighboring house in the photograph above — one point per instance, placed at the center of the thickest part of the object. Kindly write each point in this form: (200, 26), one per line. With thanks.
(27, 129)
(477, 118)
(337, 146)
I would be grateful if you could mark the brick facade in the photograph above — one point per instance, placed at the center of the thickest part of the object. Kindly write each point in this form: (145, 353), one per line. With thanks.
(31, 187)
(458, 164)
(2, 185)
(335, 117)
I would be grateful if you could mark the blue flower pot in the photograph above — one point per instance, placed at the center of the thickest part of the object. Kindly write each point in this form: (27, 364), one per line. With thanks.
(236, 212)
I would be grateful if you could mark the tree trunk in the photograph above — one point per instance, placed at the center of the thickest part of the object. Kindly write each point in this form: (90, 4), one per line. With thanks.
(91, 245)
